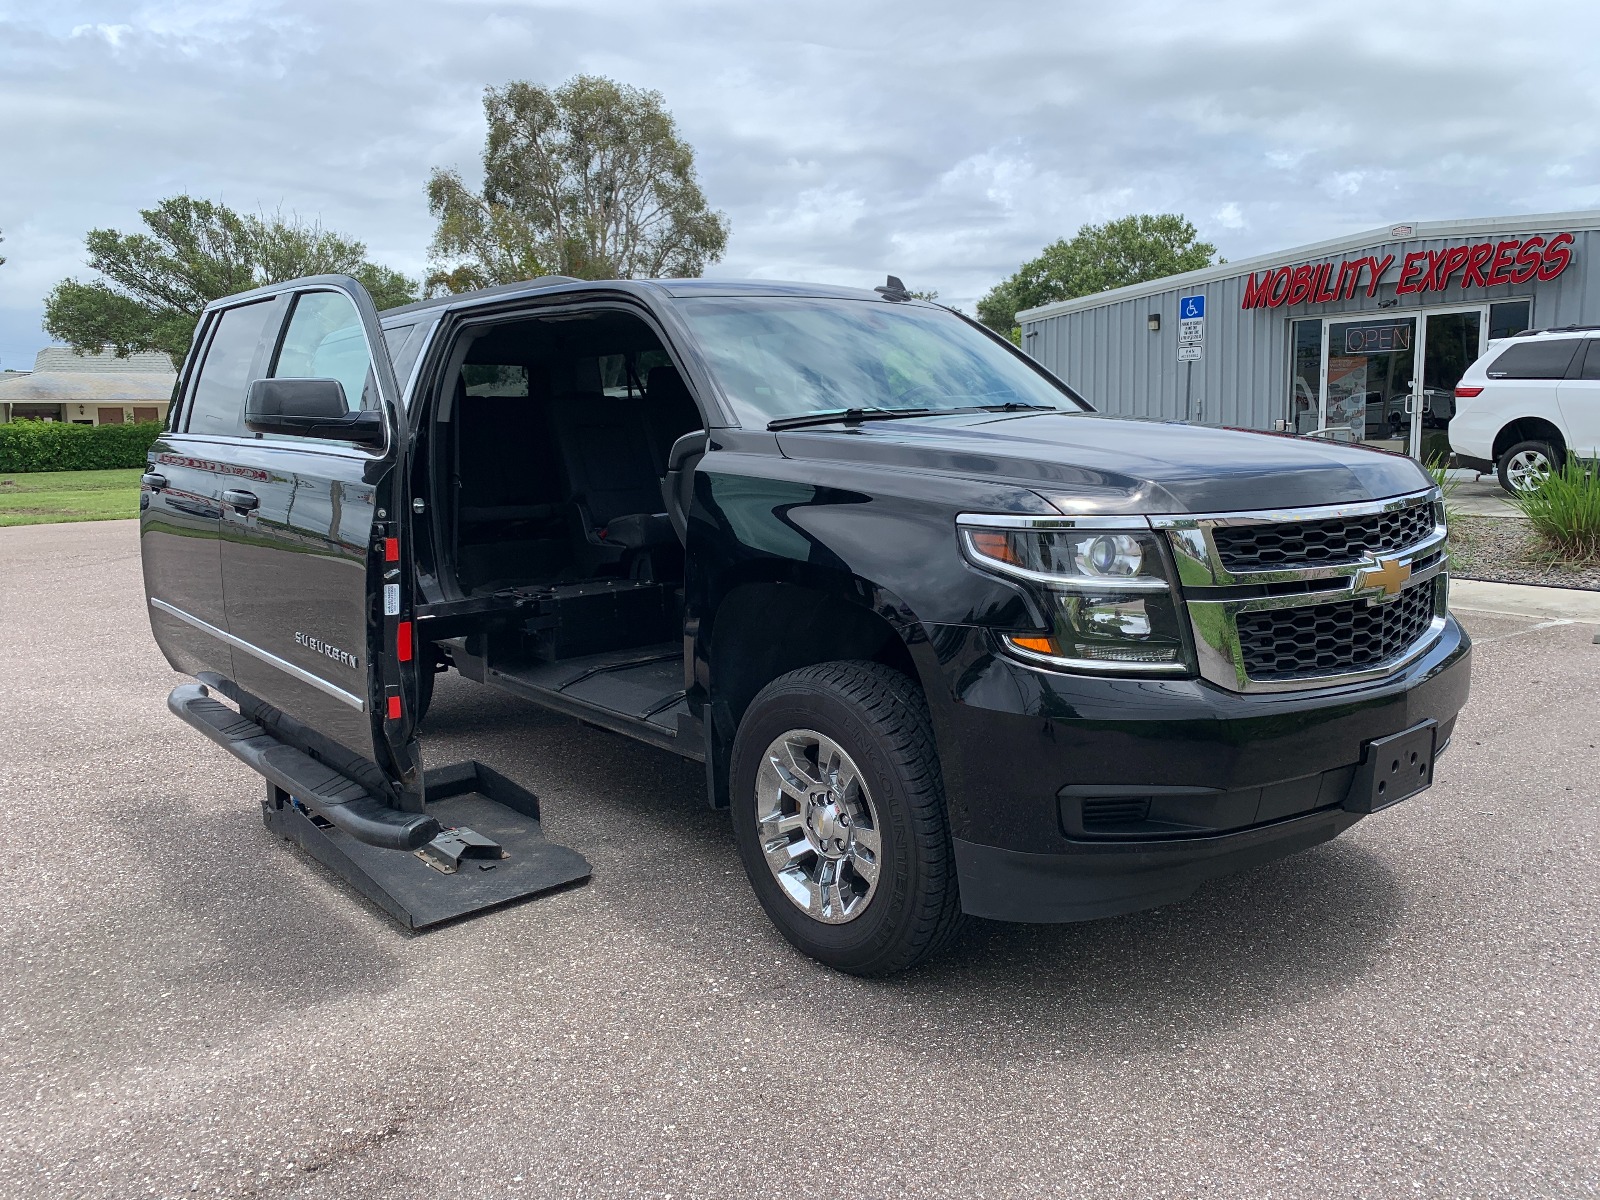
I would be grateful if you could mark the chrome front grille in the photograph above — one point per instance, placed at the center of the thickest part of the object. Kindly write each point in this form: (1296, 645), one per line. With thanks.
(1312, 597)
(1316, 640)
(1321, 543)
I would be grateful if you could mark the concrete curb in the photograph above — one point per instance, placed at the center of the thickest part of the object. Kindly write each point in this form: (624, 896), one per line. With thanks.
(1521, 600)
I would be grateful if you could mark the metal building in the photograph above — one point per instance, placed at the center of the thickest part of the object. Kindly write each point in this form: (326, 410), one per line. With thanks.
(1362, 337)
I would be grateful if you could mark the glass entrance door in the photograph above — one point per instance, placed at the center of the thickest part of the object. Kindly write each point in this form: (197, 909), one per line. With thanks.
(1390, 381)
(1451, 342)
(1369, 367)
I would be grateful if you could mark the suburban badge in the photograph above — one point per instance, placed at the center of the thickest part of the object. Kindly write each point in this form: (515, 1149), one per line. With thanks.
(317, 646)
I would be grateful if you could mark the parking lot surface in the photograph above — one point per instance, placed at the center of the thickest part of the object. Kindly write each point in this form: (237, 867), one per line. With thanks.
(190, 1007)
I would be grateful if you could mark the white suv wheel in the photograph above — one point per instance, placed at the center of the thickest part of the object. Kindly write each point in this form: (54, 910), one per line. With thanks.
(1525, 466)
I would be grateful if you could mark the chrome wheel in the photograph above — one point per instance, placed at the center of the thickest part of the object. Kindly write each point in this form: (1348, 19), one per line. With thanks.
(817, 826)
(1527, 469)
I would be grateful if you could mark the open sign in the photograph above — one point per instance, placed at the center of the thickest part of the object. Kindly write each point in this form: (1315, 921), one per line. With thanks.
(1377, 339)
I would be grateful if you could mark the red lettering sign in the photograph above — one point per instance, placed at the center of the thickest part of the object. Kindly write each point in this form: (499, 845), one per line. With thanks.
(1409, 270)
(1473, 276)
(1299, 285)
(1527, 260)
(1556, 256)
(1481, 264)
(1378, 268)
(1500, 265)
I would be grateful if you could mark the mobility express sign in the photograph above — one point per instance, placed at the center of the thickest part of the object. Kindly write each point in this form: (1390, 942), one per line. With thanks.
(1470, 265)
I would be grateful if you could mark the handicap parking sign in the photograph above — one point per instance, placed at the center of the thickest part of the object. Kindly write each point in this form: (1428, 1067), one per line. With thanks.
(1191, 308)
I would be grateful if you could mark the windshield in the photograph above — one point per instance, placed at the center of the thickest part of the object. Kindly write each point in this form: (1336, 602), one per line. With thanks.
(791, 356)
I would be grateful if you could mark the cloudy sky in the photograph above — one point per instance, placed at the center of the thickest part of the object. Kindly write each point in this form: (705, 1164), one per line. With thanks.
(944, 142)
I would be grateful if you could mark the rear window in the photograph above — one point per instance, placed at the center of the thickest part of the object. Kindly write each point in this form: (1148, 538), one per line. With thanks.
(1591, 360)
(217, 403)
(405, 344)
(1546, 358)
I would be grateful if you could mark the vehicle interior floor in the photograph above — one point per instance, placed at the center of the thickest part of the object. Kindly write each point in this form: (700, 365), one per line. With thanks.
(638, 690)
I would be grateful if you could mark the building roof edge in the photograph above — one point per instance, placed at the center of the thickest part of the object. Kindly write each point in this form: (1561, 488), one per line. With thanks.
(1531, 222)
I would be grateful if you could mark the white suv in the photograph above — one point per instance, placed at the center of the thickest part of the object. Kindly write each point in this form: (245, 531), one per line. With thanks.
(1527, 403)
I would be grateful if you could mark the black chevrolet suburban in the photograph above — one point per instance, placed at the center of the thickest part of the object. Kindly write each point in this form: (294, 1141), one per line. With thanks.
(946, 641)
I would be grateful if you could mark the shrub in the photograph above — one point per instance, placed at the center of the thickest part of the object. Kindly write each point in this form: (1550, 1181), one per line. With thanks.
(58, 446)
(1564, 510)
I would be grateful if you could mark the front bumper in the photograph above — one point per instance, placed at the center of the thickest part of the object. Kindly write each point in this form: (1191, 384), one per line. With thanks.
(1107, 879)
(1226, 780)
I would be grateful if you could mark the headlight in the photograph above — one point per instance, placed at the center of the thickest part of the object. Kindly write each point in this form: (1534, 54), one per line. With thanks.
(1107, 593)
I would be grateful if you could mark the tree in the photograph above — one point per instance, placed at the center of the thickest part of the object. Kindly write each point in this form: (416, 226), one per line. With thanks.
(590, 179)
(156, 283)
(2, 256)
(1128, 250)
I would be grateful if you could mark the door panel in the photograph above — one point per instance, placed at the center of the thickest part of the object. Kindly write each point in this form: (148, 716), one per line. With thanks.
(314, 569)
(180, 502)
(1580, 404)
(180, 517)
(295, 572)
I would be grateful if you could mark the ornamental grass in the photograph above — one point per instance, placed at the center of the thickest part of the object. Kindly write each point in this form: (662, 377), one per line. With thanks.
(1564, 510)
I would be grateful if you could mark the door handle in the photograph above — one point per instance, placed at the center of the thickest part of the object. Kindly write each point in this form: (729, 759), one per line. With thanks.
(153, 481)
(243, 501)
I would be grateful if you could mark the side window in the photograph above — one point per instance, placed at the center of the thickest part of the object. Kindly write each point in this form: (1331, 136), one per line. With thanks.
(1591, 361)
(489, 379)
(625, 374)
(324, 340)
(405, 344)
(217, 404)
(1545, 358)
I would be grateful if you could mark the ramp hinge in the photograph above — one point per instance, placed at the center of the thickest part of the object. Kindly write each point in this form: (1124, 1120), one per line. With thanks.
(446, 852)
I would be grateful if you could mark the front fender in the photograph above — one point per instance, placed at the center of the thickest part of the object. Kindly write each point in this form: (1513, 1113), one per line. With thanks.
(792, 562)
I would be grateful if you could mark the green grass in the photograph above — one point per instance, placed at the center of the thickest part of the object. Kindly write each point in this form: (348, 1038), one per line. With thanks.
(1564, 511)
(39, 497)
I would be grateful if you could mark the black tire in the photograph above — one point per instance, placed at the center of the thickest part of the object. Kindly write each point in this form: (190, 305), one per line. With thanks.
(880, 719)
(1510, 461)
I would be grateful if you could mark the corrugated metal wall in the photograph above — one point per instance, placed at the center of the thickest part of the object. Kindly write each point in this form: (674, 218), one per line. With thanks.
(1108, 353)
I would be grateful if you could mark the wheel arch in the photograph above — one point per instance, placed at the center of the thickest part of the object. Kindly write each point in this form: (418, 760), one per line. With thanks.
(762, 628)
(1526, 429)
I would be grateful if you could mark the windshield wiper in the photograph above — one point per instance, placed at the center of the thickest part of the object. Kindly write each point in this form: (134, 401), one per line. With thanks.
(833, 415)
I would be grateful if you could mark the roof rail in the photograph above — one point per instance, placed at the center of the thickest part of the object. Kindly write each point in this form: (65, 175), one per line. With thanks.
(521, 285)
(1558, 329)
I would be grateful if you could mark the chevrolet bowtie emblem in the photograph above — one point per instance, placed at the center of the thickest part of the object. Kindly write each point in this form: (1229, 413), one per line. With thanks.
(1388, 577)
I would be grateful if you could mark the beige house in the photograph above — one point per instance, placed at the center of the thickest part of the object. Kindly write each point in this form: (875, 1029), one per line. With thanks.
(89, 389)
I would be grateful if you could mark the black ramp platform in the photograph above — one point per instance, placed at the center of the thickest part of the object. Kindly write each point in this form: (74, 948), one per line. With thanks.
(419, 895)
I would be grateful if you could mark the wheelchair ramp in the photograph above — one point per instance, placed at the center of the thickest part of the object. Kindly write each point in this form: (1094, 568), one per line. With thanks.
(491, 850)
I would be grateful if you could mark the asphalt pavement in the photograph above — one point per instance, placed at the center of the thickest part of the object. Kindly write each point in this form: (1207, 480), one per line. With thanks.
(191, 1007)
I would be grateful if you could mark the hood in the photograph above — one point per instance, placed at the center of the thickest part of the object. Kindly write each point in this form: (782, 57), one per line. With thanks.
(1084, 462)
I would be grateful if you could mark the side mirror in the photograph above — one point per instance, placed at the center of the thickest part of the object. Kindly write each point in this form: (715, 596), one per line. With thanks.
(311, 408)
